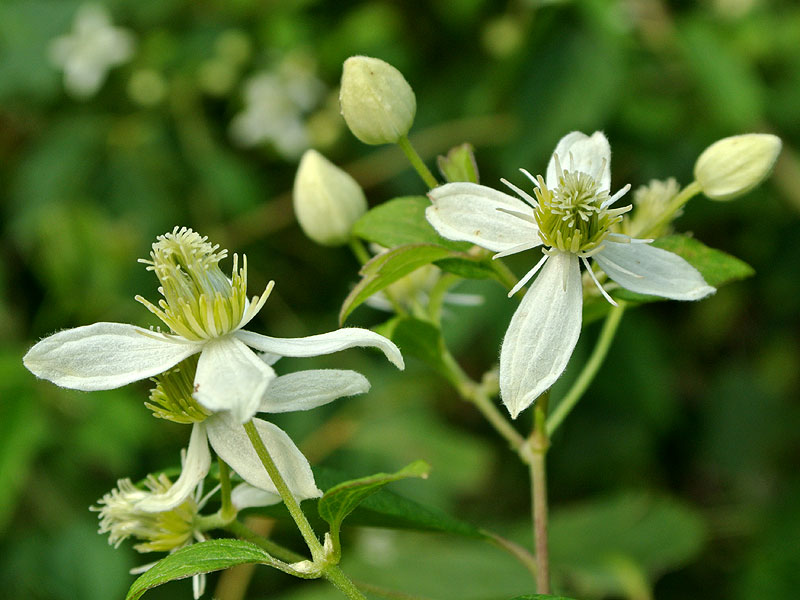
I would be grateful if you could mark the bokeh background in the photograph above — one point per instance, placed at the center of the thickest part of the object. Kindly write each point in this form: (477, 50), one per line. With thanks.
(676, 477)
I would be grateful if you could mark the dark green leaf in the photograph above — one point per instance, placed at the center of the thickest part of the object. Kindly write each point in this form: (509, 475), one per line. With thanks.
(468, 268)
(386, 268)
(342, 499)
(204, 557)
(417, 338)
(400, 222)
(383, 509)
(459, 164)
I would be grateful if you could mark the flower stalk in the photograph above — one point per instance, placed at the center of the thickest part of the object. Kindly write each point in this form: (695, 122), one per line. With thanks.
(539, 443)
(416, 162)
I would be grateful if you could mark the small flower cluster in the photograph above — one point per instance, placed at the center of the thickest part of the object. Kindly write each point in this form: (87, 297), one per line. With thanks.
(211, 374)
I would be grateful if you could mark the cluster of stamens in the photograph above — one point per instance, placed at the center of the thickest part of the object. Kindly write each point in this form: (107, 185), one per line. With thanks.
(172, 399)
(199, 301)
(160, 532)
(576, 216)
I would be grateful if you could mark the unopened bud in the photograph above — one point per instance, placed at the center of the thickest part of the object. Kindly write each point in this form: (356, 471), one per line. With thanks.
(735, 165)
(377, 102)
(327, 200)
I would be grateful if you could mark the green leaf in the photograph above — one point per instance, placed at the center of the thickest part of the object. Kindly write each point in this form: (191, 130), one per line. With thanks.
(607, 546)
(388, 267)
(384, 509)
(204, 557)
(468, 268)
(400, 222)
(342, 499)
(459, 164)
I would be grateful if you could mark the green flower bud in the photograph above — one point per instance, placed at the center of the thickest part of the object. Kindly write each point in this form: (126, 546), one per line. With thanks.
(735, 165)
(327, 200)
(377, 102)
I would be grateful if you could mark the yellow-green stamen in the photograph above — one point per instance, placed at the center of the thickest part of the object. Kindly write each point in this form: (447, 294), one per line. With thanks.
(172, 399)
(575, 216)
(199, 301)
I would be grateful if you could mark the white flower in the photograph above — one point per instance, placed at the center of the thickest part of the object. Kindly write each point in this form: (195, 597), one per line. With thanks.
(570, 218)
(93, 47)
(303, 390)
(206, 312)
(275, 103)
(167, 531)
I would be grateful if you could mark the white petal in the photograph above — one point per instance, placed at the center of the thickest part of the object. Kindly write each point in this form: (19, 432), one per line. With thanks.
(104, 356)
(469, 212)
(195, 468)
(245, 495)
(324, 343)
(577, 151)
(542, 333)
(231, 377)
(645, 269)
(230, 441)
(308, 389)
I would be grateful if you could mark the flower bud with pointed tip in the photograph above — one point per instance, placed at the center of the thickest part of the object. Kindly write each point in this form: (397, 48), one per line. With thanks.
(327, 200)
(735, 165)
(377, 102)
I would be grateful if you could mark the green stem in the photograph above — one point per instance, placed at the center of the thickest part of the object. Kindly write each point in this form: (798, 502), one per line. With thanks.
(360, 252)
(686, 194)
(539, 444)
(227, 509)
(334, 574)
(589, 370)
(317, 552)
(242, 531)
(416, 162)
(522, 554)
(437, 294)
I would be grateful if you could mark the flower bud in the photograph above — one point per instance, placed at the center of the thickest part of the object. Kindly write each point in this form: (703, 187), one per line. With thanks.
(377, 102)
(327, 200)
(735, 165)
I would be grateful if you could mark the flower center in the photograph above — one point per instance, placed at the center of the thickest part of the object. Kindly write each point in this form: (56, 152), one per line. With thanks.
(575, 216)
(172, 399)
(160, 532)
(199, 302)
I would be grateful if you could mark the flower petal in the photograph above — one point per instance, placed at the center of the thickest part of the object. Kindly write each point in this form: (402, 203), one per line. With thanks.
(645, 269)
(245, 495)
(230, 441)
(469, 212)
(542, 333)
(195, 468)
(308, 389)
(577, 151)
(324, 343)
(104, 356)
(231, 377)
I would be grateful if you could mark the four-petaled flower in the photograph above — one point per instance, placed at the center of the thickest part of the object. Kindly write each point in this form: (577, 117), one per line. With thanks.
(569, 215)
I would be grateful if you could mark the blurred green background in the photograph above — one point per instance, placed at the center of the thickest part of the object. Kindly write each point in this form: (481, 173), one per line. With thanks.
(677, 474)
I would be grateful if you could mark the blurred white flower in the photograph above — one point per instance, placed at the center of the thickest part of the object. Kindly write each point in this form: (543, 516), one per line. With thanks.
(91, 50)
(275, 105)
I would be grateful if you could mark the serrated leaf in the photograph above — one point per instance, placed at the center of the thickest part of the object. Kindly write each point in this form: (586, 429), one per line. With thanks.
(204, 557)
(342, 499)
(400, 222)
(459, 164)
(384, 509)
(388, 267)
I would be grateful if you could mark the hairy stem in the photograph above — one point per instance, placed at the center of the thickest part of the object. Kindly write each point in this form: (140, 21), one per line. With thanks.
(416, 162)
(289, 500)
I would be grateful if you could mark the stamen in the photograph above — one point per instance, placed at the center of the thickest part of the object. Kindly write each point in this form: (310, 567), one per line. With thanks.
(527, 277)
(597, 283)
(524, 195)
(517, 248)
(518, 214)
